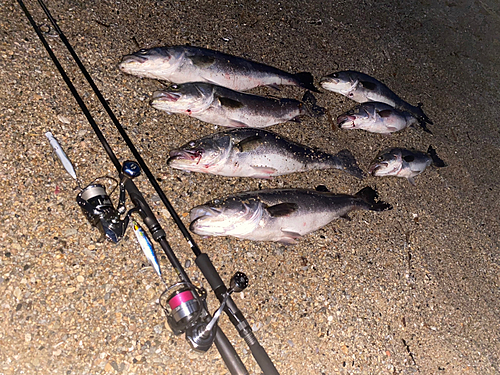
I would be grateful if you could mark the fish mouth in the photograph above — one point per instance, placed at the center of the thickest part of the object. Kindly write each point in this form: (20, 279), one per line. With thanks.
(127, 59)
(346, 121)
(185, 155)
(165, 96)
(375, 167)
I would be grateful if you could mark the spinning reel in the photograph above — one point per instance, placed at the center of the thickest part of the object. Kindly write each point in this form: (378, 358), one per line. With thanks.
(186, 311)
(99, 209)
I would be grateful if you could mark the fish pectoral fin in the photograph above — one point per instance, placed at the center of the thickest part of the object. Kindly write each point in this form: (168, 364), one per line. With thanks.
(237, 124)
(230, 103)
(262, 172)
(385, 113)
(201, 60)
(368, 85)
(249, 143)
(411, 180)
(346, 216)
(289, 237)
(282, 209)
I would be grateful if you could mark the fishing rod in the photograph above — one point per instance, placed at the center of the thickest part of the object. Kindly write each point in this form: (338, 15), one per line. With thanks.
(184, 299)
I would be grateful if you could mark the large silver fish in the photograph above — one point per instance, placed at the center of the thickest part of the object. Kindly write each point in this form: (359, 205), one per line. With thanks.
(222, 106)
(257, 153)
(404, 163)
(362, 88)
(282, 215)
(376, 117)
(181, 64)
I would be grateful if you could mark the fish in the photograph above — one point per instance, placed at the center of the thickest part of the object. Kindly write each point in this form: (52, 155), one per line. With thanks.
(279, 215)
(376, 117)
(257, 153)
(222, 106)
(405, 163)
(362, 88)
(181, 64)
(147, 247)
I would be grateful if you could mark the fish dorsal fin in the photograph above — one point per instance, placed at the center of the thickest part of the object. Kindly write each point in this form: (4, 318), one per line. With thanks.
(368, 85)
(201, 60)
(409, 158)
(322, 188)
(230, 103)
(282, 209)
(250, 143)
(385, 113)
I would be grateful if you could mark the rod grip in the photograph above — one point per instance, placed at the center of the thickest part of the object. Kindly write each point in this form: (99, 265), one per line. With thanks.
(228, 353)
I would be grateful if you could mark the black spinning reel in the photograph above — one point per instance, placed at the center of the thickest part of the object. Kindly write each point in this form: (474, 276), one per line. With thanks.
(99, 209)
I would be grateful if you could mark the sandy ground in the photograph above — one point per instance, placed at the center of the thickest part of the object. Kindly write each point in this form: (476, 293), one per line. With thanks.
(412, 290)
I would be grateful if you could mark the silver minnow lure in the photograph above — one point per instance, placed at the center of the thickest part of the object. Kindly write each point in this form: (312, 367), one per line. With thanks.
(222, 106)
(281, 215)
(405, 163)
(181, 64)
(256, 153)
(61, 155)
(147, 247)
(362, 88)
(376, 117)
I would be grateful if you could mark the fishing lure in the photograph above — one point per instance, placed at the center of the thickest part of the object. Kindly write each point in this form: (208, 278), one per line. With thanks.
(147, 247)
(61, 155)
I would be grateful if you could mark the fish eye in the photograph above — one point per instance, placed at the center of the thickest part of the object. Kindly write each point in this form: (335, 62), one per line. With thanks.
(143, 51)
(335, 75)
(216, 201)
(192, 144)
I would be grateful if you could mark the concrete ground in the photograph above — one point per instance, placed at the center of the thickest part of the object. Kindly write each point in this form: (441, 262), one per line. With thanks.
(412, 290)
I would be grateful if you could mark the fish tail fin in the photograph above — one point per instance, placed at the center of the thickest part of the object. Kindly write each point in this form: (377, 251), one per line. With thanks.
(347, 162)
(421, 116)
(370, 196)
(309, 103)
(306, 80)
(436, 160)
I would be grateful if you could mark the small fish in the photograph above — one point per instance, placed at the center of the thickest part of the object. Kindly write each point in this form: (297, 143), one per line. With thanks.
(405, 163)
(61, 155)
(376, 117)
(147, 247)
(181, 64)
(222, 106)
(362, 88)
(257, 153)
(281, 215)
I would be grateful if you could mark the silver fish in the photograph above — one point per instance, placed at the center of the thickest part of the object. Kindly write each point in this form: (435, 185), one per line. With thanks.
(181, 64)
(282, 215)
(362, 88)
(376, 117)
(405, 163)
(222, 106)
(257, 153)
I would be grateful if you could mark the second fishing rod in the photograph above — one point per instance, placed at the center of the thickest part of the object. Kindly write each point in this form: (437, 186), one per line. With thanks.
(202, 259)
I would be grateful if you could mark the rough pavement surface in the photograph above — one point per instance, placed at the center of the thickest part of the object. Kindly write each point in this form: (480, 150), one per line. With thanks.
(412, 290)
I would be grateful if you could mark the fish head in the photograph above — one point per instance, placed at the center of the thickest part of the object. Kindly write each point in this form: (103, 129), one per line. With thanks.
(356, 118)
(206, 155)
(189, 98)
(388, 163)
(339, 82)
(148, 62)
(232, 216)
